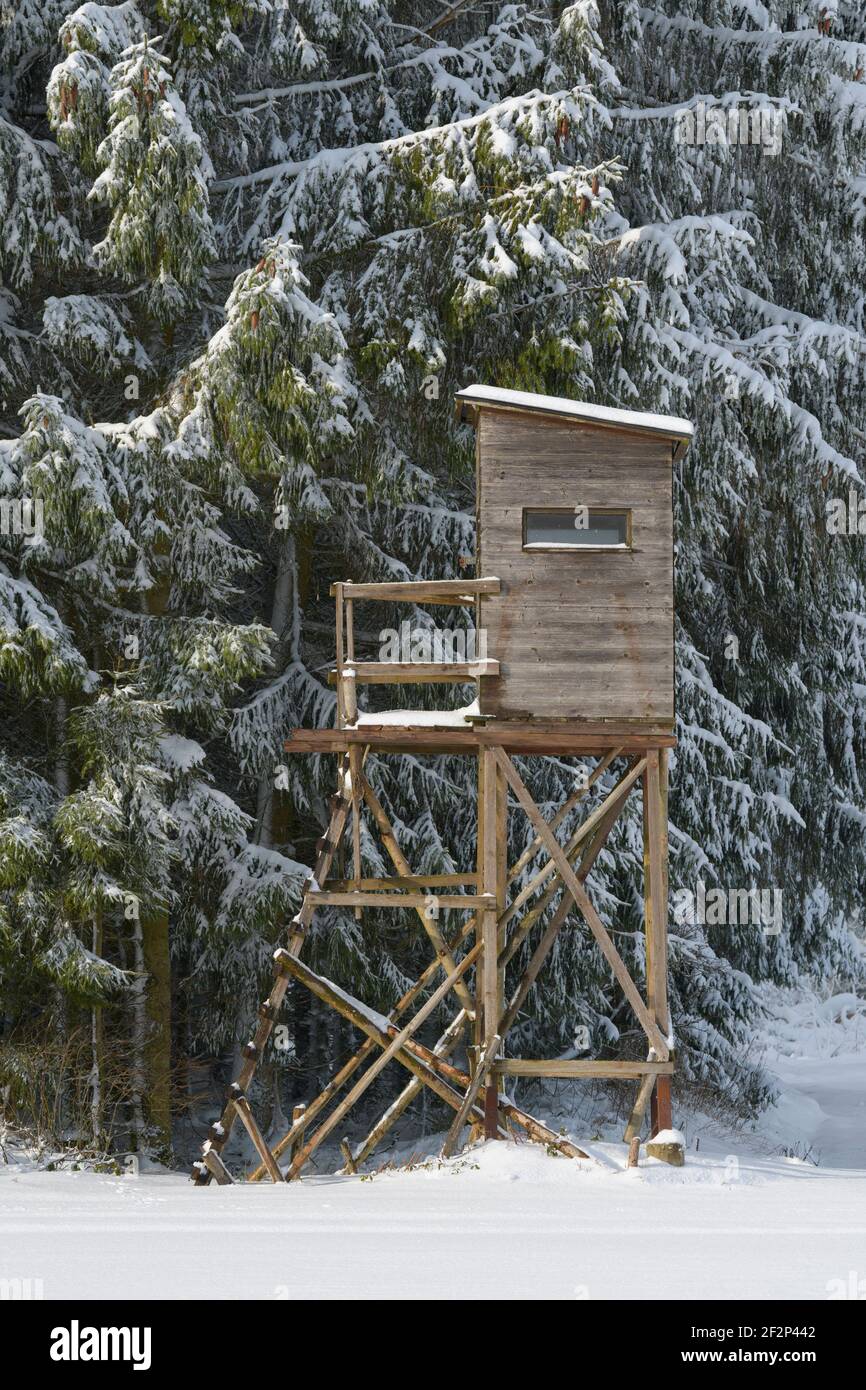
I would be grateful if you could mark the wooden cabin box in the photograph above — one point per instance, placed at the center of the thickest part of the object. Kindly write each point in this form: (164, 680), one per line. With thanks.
(575, 517)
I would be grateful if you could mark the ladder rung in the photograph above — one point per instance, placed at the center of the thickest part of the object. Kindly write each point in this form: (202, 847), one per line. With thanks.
(470, 902)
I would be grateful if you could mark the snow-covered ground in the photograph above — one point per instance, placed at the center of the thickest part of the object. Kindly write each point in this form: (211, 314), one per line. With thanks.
(778, 1213)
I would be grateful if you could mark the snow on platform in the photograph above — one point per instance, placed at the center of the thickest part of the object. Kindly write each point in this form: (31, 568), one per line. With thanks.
(415, 718)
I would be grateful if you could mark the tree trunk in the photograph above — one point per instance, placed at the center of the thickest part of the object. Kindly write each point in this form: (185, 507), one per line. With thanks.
(61, 755)
(157, 1042)
(97, 1117)
(139, 1035)
(61, 782)
(285, 622)
(153, 1022)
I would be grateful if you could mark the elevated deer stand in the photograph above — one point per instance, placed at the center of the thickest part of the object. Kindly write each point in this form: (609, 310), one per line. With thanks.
(621, 662)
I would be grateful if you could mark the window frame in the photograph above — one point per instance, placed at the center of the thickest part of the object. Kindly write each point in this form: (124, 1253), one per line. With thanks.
(541, 547)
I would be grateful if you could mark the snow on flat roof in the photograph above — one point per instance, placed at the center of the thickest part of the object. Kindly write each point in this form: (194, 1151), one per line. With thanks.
(580, 410)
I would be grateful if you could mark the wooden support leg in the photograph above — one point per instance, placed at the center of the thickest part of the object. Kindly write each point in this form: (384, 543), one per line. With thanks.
(355, 762)
(663, 1092)
(488, 828)
(635, 1119)
(656, 917)
(215, 1166)
(474, 1050)
(495, 1048)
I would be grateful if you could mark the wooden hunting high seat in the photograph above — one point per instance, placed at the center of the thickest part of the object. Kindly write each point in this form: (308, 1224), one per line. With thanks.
(575, 527)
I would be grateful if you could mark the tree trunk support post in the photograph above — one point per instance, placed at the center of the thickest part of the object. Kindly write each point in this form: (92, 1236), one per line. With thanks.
(655, 833)
(492, 811)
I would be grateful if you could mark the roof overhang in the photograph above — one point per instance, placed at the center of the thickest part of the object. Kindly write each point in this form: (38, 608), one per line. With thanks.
(472, 399)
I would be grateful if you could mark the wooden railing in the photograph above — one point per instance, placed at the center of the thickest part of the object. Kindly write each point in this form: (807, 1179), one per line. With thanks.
(348, 672)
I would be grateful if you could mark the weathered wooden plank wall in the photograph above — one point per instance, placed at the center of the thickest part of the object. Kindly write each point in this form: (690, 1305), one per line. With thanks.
(578, 634)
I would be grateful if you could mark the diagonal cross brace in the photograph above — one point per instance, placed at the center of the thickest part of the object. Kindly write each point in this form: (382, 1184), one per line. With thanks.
(444, 1047)
(599, 822)
(430, 1068)
(349, 1068)
(581, 898)
(574, 800)
(614, 805)
(417, 1059)
(596, 818)
(485, 1062)
(393, 1047)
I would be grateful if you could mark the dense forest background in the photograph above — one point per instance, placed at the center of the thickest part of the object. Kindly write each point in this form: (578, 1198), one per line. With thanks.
(248, 252)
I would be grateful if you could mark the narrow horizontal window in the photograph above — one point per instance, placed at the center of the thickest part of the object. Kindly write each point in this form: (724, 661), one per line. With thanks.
(576, 528)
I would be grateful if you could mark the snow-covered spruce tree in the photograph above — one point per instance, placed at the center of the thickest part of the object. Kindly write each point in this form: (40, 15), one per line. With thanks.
(101, 294)
(121, 592)
(114, 656)
(155, 185)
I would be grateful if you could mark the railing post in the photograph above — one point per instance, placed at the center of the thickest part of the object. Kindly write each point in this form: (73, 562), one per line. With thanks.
(338, 616)
(350, 630)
